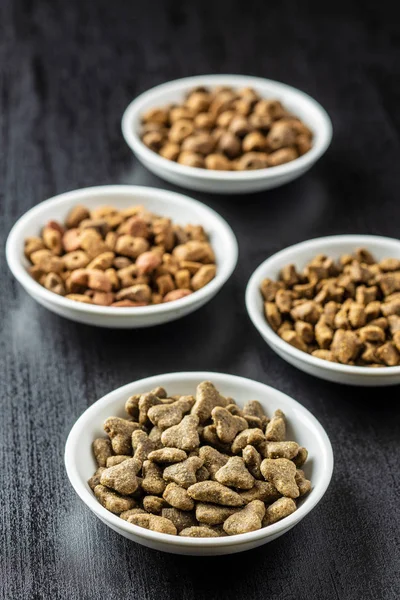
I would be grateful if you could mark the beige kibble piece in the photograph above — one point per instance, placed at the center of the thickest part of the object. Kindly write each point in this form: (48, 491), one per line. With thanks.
(276, 428)
(301, 457)
(345, 345)
(153, 482)
(282, 450)
(279, 510)
(272, 315)
(215, 493)
(203, 276)
(133, 511)
(184, 472)
(142, 445)
(388, 354)
(116, 460)
(183, 436)
(95, 479)
(269, 289)
(146, 401)
(252, 460)
(371, 333)
(167, 455)
(122, 478)
(120, 433)
(212, 514)
(248, 519)
(281, 473)
(178, 497)
(154, 504)
(165, 416)
(198, 532)
(153, 522)
(294, 340)
(213, 460)
(112, 501)
(303, 483)
(181, 519)
(227, 425)
(102, 450)
(207, 398)
(262, 490)
(235, 474)
(252, 436)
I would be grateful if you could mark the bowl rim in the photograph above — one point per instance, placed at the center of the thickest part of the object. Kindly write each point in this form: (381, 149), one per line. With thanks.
(273, 339)
(90, 500)
(133, 140)
(224, 270)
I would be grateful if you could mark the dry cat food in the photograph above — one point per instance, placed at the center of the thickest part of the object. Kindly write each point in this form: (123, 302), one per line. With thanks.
(226, 130)
(198, 466)
(120, 258)
(346, 311)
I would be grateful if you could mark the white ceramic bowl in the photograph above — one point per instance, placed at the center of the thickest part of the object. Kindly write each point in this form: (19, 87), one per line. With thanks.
(300, 255)
(181, 209)
(302, 427)
(226, 182)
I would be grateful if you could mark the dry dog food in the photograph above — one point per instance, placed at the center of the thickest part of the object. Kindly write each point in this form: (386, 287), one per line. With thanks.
(198, 466)
(226, 129)
(345, 311)
(120, 258)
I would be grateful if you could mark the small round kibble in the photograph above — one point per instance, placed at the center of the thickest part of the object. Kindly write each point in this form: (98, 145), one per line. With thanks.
(123, 258)
(226, 129)
(156, 468)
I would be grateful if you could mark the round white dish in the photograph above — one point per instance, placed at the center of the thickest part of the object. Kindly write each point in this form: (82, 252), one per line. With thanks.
(181, 209)
(300, 255)
(302, 427)
(227, 182)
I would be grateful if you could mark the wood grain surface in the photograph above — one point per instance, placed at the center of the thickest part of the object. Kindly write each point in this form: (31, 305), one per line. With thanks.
(67, 71)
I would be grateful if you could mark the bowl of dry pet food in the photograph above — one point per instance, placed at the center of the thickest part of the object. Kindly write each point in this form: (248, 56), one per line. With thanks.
(228, 134)
(199, 463)
(331, 307)
(121, 256)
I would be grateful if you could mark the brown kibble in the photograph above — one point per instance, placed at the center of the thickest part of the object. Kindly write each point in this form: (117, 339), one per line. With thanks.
(294, 340)
(300, 457)
(279, 510)
(167, 455)
(203, 276)
(153, 482)
(357, 316)
(170, 151)
(227, 425)
(213, 460)
(235, 474)
(276, 428)
(269, 289)
(184, 473)
(112, 501)
(165, 416)
(252, 460)
(75, 260)
(282, 450)
(102, 261)
(178, 497)
(272, 315)
(184, 435)
(199, 143)
(176, 295)
(112, 461)
(95, 479)
(388, 354)
(122, 477)
(282, 156)
(98, 281)
(142, 445)
(207, 398)
(253, 160)
(120, 433)
(251, 436)
(153, 522)
(248, 519)
(102, 450)
(130, 246)
(281, 135)
(345, 346)
(198, 532)
(212, 514)
(305, 331)
(54, 283)
(154, 504)
(262, 490)
(215, 493)
(371, 333)
(76, 216)
(79, 298)
(324, 354)
(281, 473)
(303, 484)
(181, 519)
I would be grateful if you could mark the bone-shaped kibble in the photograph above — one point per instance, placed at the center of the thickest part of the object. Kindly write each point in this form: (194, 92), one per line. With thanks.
(155, 436)
(248, 519)
(212, 514)
(210, 437)
(133, 511)
(132, 406)
(235, 474)
(102, 450)
(154, 504)
(120, 432)
(198, 532)
(112, 501)
(153, 522)
(227, 425)
(278, 510)
(281, 472)
(207, 397)
(253, 408)
(167, 415)
(122, 478)
(214, 492)
(142, 445)
(276, 428)
(184, 473)
(300, 457)
(252, 460)
(178, 497)
(262, 490)
(146, 401)
(153, 482)
(303, 483)
(282, 450)
(116, 460)
(167, 455)
(184, 435)
(252, 437)
(213, 460)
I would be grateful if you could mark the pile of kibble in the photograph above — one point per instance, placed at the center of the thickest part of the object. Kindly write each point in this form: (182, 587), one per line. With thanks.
(120, 258)
(345, 311)
(198, 466)
(226, 129)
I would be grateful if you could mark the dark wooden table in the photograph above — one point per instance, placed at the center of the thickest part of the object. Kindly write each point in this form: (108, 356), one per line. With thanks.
(67, 71)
